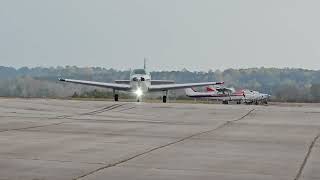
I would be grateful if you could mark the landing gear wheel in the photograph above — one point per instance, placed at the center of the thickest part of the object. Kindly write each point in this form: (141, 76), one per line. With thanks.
(238, 102)
(116, 97)
(225, 102)
(138, 100)
(164, 99)
(256, 103)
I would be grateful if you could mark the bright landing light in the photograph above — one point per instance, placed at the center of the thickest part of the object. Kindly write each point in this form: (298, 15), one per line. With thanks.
(138, 92)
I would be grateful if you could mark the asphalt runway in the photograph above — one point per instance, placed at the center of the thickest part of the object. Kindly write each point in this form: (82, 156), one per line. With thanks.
(65, 139)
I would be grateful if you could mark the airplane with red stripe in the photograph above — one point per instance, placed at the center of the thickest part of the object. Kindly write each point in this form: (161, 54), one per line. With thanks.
(229, 94)
(221, 94)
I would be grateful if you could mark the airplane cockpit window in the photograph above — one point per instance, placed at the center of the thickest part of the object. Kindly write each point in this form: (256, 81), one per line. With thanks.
(139, 71)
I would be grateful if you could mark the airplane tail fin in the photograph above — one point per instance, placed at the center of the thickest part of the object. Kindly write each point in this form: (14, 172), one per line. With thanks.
(210, 89)
(190, 91)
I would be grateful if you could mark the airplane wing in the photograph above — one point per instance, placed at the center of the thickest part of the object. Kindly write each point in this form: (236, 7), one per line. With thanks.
(122, 81)
(158, 82)
(165, 87)
(123, 87)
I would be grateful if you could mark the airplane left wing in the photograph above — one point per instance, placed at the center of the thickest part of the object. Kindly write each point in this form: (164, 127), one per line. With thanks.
(123, 87)
(165, 87)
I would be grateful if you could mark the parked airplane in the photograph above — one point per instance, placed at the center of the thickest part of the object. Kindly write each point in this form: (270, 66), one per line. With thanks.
(221, 94)
(229, 94)
(140, 83)
(255, 97)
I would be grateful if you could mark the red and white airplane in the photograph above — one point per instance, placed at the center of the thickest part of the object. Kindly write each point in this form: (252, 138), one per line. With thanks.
(220, 93)
(229, 94)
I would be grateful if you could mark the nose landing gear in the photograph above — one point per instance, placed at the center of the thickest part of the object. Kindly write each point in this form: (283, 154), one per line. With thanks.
(116, 97)
(164, 99)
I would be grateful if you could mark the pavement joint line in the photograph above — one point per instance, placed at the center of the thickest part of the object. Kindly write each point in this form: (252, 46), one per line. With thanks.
(162, 146)
(31, 127)
(124, 121)
(305, 160)
(130, 121)
(53, 160)
(30, 117)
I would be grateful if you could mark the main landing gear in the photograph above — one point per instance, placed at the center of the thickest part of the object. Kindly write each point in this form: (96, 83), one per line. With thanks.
(116, 96)
(225, 102)
(164, 97)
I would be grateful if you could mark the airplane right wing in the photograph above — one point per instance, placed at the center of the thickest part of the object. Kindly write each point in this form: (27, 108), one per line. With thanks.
(122, 81)
(166, 87)
(158, 82)
(123, 87)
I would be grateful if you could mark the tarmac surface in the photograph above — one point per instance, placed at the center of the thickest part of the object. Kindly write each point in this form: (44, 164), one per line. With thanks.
(44, 139)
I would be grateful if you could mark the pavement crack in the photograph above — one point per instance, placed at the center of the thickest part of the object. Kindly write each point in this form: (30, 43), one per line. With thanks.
(305, 160)
(162, 146)
(244, 116)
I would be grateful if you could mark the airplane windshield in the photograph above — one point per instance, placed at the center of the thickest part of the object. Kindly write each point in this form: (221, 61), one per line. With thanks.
(139, 71)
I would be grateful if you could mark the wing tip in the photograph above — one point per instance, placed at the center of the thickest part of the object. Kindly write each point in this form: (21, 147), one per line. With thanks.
(61, 79)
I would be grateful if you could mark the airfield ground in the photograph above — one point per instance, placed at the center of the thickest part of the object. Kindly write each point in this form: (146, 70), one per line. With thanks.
(65, 139)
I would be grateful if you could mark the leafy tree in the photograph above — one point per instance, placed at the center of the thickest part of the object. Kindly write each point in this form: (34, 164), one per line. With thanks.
(315, 92)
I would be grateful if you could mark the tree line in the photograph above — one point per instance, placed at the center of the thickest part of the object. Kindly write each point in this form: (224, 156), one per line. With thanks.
(287, 84)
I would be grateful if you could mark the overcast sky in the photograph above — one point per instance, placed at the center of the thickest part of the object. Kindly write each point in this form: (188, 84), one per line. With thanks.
(172, 34)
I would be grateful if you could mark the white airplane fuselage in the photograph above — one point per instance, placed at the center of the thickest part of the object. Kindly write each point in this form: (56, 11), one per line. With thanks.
(140, 82)
(255, 96)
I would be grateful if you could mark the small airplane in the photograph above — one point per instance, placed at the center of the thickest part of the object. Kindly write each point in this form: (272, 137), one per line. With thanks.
(220, 93)
(255, 97)
(140, 83)
(229, 94)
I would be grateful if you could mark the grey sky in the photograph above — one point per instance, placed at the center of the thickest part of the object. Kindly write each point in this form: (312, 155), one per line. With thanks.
(172, 34)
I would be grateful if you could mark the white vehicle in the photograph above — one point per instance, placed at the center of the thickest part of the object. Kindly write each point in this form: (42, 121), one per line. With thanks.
(140, 83)
(221, 94)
